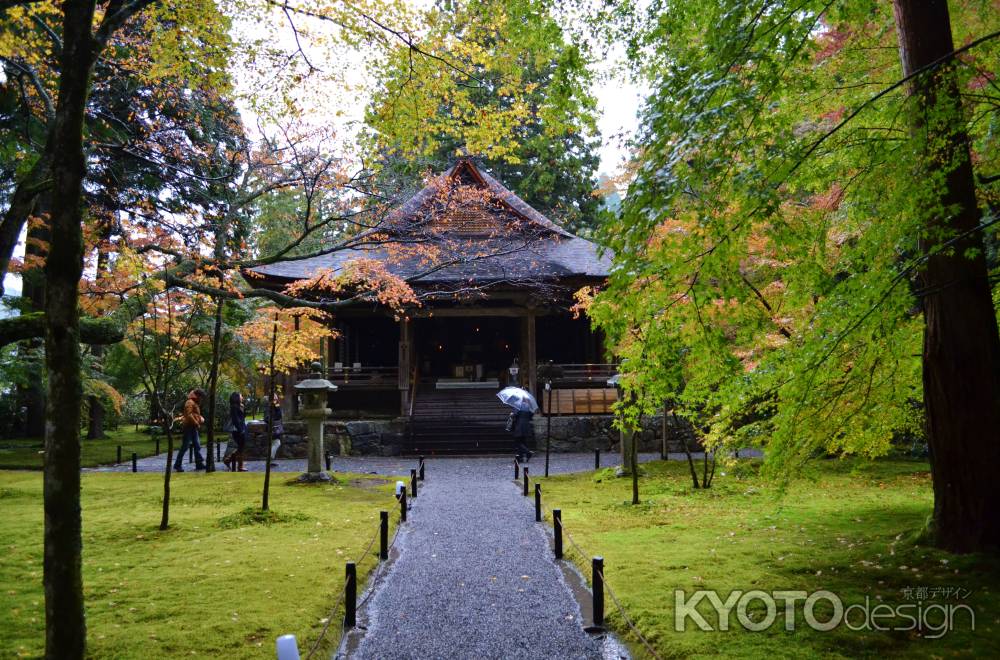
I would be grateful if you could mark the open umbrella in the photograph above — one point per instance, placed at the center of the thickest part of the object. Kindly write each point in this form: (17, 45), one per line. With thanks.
(518, 399)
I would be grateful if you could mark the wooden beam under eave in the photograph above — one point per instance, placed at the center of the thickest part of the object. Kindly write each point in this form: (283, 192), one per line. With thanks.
(443, 312)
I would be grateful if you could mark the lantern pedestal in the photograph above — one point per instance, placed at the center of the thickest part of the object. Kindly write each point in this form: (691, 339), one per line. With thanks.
(314, 392)
(314, 422)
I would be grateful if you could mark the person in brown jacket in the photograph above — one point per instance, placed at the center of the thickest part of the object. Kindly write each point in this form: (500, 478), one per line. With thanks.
(191, 419)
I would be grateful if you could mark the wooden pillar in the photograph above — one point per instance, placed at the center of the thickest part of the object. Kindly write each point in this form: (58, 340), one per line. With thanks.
(289, 402)
(528, 360)
(405, 364)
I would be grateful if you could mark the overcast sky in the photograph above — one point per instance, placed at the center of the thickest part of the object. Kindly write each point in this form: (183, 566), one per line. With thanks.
(329, 99)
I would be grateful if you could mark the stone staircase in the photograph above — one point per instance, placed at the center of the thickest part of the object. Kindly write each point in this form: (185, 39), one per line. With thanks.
(458, 421)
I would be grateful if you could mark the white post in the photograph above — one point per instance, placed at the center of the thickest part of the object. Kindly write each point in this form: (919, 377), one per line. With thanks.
(287, 648)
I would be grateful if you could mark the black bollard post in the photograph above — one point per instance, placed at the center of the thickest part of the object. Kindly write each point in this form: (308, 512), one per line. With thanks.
(413, 482)
(383, 535)
(328, 462)
(517, 470)
(119, 454)
(135, 462)
(157, 445)
(557, 532)
(597, 579)
(538, 502)
(597, 458)
(525, 481)
(402, 505)
(351, 596)
(421, 474)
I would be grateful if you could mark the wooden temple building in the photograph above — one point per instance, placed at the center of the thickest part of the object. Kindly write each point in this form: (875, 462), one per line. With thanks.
(495, 281)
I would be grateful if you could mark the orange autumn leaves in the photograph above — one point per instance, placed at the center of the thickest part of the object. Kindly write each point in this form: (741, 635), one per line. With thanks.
(362, 278)
(300, 333)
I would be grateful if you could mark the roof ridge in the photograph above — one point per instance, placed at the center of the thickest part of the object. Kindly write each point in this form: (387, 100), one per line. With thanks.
(510, 199)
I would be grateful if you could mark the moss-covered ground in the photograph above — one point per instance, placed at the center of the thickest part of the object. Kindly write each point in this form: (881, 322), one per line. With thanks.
(223, 581)
(29, 454)
(850, 527)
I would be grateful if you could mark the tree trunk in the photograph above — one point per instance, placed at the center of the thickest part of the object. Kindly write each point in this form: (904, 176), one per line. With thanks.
(690, 458)
(95, 418)
(65, 627)
(213, 381)
(95, 409)
(623, 470)
(634, 465)
(32, 392)
(168, 431)
(22, 203)
(270, 419)
(664, 448)
(961, 354)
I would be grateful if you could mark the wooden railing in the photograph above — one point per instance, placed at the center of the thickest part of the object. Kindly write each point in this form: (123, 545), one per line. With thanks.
(582, 375)
(577, 375)
(360, 376)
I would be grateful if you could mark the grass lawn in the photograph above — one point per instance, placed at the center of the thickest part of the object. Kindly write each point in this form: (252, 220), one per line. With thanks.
(27, 453)
(214, 584)
(849, 528)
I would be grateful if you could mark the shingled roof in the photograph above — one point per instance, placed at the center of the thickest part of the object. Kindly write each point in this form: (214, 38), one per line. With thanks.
(531, 248)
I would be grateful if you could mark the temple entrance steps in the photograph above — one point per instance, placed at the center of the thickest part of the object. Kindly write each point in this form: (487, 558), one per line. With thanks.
(458, 421)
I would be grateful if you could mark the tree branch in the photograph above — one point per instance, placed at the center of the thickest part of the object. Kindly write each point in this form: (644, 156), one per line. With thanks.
(100, 331)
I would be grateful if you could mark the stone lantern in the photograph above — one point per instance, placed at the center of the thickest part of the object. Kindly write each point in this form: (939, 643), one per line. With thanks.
(314, 392)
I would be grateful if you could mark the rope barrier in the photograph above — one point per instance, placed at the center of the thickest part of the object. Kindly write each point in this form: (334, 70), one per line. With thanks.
(326, 626)
(632, 626)
(584, 556)
(373, 579)
(379, 572)
(343, 592)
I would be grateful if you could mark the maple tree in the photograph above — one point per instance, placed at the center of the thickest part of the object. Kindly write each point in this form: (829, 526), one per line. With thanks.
(801, 250)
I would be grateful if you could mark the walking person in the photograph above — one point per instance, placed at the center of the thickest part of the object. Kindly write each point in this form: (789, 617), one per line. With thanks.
(519, 423)
(191, 419)
(236, 449)
(274, 416)
(524, 432)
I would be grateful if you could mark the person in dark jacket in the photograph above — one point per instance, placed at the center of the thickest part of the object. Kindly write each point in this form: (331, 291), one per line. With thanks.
(236, 450)
(524, 432)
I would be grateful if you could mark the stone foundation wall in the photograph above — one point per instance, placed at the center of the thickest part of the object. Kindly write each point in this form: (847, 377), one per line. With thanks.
(376, 437)
(589, 432)
(385, 437)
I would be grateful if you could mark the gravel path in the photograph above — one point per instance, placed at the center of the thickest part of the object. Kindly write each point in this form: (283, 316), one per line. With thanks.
(474, 577)
(472, 574)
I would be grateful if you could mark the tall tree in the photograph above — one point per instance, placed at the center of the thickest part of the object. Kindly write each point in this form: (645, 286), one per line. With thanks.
(803, 216)
(514, 91)
(961, 352)
(65, 627)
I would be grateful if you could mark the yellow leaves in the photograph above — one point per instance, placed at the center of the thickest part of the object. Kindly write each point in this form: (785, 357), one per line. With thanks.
(300, 332)
(584, 298)
(105, 392)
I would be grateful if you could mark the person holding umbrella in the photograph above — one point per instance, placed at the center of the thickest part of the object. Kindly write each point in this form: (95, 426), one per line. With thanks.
(525, 406)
